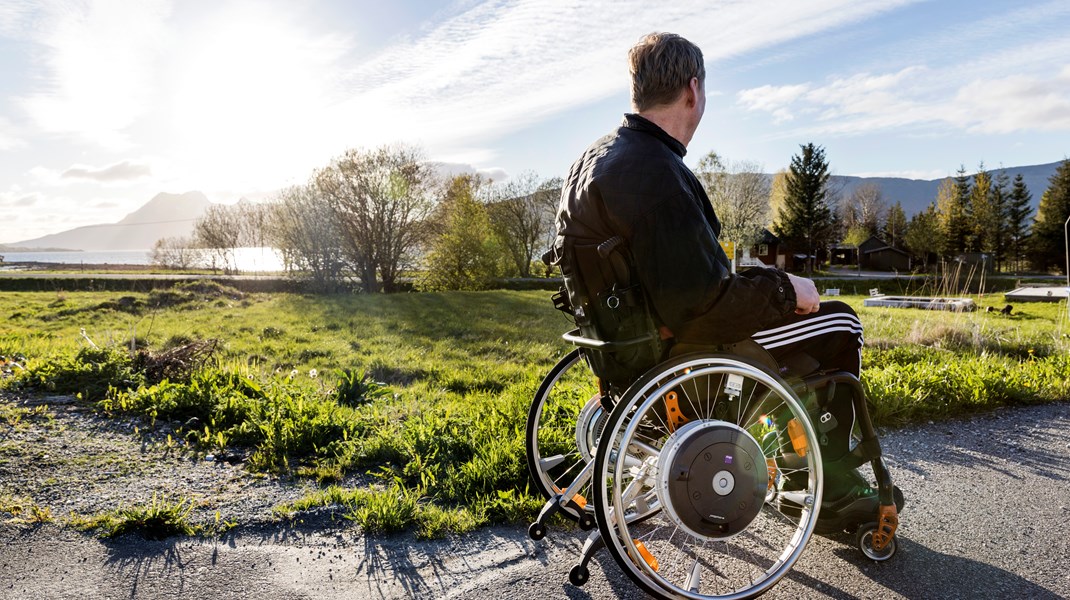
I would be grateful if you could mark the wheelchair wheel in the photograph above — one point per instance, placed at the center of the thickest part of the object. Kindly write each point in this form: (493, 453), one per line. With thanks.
(726, 452)
(563, 426)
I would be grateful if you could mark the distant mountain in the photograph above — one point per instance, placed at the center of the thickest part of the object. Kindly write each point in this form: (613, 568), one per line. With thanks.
(166, 215)
(916, 194)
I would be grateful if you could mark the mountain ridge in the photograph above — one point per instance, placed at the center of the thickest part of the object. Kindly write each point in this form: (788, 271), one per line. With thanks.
(916, 194)
(165, 215)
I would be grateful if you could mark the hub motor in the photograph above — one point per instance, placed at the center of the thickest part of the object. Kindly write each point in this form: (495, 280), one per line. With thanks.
(712, 478)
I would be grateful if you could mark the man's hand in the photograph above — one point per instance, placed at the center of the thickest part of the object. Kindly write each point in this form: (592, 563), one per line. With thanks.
(807, 300)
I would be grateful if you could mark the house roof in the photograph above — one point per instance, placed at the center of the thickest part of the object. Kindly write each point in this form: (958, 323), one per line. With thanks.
(886, 248)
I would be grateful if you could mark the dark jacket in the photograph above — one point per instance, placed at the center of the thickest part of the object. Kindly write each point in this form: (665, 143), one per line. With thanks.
(634, 183)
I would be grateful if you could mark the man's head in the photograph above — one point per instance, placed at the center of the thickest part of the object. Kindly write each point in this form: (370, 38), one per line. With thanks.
(663, 66)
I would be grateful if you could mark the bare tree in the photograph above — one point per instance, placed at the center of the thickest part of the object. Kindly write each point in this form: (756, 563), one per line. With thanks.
(381, 199)
(740, 194)
(218, 232)
(175, 253)
(302, 226)
(254, 218)
(520, 217)
(864, 209)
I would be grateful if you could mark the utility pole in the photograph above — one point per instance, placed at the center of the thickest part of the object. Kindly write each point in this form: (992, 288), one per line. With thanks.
(1066, 239)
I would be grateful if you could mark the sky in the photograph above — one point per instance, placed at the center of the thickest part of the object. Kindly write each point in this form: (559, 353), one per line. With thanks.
(104, 104)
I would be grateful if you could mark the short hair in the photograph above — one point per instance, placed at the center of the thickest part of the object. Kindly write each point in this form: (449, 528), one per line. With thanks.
(662, 65)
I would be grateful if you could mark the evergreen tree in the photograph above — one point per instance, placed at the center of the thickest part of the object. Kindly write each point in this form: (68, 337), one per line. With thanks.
(806, 221)
(923, 236)
(895, 225)
(1048, 240)
(999, 201)
(951, 219)
(1019, 210)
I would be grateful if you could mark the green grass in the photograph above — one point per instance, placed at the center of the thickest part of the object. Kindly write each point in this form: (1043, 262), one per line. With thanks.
(160, 518)
(428, 393)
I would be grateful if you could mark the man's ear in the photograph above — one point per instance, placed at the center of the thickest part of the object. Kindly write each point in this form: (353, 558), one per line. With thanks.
(692, 91)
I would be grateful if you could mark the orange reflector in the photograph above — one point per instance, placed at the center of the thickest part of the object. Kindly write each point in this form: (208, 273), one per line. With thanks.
(798, 437)
(580, 501)
(673, 417)
(647, 556)
(887, 523)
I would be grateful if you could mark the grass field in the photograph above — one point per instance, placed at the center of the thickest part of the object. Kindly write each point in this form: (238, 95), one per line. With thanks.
(428, 393)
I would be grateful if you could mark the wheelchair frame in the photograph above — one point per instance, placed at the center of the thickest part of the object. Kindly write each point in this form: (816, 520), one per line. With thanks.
(689, 498)
(592, 493)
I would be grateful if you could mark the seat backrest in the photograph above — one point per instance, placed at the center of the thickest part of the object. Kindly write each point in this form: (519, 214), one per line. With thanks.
(608, 305)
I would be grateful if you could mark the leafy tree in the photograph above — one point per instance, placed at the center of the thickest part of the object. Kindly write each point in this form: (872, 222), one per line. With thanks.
(465, 253)
(1019, 210)
(381, 200)
(895, 225)
(739, 194)
(806, 221)
(778, 194)
(856, 234)
(1048, 238)
(982, 215)
(523, 217)
(924, 235)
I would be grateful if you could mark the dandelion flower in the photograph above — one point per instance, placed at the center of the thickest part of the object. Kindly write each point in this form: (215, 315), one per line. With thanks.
(313, 373)
(293, 373)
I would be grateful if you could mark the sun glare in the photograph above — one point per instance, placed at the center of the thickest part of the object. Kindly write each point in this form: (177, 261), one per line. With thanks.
(248, 100)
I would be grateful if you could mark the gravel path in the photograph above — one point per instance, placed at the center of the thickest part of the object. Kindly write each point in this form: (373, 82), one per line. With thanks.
(74, 461)
(988, 503)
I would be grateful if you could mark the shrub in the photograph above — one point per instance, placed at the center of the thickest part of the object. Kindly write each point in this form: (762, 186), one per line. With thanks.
(91, 372)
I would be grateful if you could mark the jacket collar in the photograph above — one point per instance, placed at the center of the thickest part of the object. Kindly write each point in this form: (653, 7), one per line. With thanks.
(638, 123)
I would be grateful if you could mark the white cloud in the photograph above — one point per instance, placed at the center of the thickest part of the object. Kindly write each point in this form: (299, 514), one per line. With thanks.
(449, 169)
(918, 97)
(1014, 103)
(18, 198)
(495, 68)
(123, 171)
(773, 99)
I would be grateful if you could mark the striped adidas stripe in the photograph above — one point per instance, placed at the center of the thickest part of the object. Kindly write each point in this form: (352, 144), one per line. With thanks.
(796, 332)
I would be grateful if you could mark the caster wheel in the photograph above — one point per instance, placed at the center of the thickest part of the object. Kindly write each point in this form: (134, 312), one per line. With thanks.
(864, 540)
(587, 522)
(578, 575)
(536, 531)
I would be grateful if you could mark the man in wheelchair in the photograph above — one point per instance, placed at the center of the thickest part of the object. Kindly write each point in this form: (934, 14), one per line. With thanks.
(637, 244)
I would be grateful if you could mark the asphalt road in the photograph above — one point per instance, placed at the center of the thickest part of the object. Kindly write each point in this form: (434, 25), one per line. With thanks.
(988, 516)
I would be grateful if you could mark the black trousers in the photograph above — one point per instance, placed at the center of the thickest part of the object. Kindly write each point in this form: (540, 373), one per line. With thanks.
(832, 337)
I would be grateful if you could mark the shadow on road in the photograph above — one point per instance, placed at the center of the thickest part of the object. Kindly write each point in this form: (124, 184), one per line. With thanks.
(920, 572)
(134, 559)
(1039, 447)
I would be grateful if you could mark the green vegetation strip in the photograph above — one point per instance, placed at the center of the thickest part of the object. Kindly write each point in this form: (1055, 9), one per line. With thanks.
(423, 397)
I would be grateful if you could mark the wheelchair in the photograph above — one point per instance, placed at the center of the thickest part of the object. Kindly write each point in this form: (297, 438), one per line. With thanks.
(699, 472)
